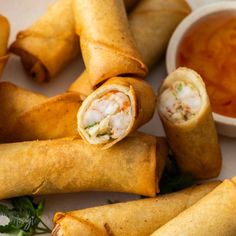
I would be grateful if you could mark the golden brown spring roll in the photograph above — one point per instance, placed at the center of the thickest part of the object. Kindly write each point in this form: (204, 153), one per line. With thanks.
(134, 218)
(54, 118)
(213, 215)
(29, 116)
(152, 23)
(82, 86)
(15, 101)
(134, 165)
(185, 111)
(49, 44)
(114, 110)
(107, 45)
(4, 36)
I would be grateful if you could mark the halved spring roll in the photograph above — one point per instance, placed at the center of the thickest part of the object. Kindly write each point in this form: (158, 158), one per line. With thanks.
(49, 44)
(30, 116)
(135, 165)
(104, 34)
(185, 111)
(4, 36)
(134, 218)
(213, 215)
(114, 110)
(152, 23)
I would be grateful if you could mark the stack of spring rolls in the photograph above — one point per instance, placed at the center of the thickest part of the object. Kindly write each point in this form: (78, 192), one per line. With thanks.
(129, 100)
(87, 135)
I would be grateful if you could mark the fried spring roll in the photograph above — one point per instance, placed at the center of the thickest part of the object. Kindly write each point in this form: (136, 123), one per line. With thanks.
(4, 36)
(185, 111)
(82, 86)
(29, 116)
(59, 116)
(114, 110)
(135, 165)
(213, 215)
(14, 101)
(49, 44)
(152, 23)
(134, 218)
(104, 34)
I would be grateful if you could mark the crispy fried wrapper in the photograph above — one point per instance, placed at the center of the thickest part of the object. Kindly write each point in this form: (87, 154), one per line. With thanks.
(193, 138)
(152, 23)
(134, 218)
(104, 34)
(49, 44)
(4, 36)
(30, 116)
(135, 165)
(15, 101)
(117, 108)
(213, 215)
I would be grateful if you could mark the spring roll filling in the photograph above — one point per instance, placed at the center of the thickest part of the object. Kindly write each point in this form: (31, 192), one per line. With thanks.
(108, 117)
(180, 102)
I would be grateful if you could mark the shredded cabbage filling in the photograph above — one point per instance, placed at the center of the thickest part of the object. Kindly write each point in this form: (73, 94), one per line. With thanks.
(180, 103)
(108, 117)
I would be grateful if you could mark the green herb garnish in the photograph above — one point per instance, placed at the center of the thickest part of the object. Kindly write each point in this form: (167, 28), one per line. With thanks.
(173, 180)
(179, 86)
(90, 126)
(24, 217)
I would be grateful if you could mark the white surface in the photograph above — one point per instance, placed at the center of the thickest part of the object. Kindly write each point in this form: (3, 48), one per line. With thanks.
(21, 14)
(225, 125)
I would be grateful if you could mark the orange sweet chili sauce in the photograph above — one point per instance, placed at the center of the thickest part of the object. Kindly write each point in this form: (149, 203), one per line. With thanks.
(209, 47)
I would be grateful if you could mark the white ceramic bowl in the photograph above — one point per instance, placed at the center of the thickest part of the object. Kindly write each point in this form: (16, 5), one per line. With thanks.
(225, 125)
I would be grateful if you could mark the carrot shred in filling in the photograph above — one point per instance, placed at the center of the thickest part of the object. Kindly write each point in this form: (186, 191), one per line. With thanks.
(108, 117)
(180, 103)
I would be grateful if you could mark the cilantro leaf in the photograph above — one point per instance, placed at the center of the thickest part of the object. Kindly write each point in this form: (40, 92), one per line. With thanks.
(24, 217)
(173, 180)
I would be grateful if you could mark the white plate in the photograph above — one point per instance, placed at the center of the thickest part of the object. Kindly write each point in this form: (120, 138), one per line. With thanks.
(21, 14)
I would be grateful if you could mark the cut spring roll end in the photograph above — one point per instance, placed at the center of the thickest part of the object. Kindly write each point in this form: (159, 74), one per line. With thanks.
(185, 111)
(114, 110)
(181, 100)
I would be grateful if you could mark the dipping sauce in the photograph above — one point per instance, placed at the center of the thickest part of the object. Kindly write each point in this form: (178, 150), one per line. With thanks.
(209, 47)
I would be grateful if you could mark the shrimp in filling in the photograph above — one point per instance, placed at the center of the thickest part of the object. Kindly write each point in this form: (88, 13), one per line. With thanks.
(108, 117)
(180, 102)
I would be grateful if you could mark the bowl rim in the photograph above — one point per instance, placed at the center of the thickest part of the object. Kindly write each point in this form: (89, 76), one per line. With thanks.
(181, 29)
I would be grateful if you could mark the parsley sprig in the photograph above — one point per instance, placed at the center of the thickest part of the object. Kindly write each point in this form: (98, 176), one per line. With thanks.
(172, 179)
(24, 217)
